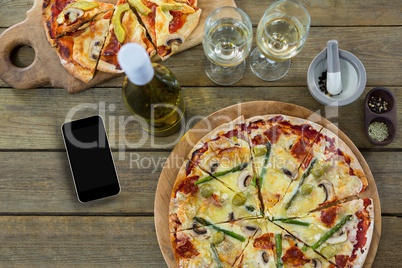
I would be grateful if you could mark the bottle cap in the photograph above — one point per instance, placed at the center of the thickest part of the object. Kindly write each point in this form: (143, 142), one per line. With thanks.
(135, 62)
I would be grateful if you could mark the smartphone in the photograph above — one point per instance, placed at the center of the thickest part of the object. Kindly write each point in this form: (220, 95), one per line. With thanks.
(90, 158)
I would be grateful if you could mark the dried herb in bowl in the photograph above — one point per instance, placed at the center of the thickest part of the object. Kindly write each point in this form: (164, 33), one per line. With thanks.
(378, 131)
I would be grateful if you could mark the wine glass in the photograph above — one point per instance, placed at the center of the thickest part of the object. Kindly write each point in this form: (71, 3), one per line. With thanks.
(281, 34)
(227, 42)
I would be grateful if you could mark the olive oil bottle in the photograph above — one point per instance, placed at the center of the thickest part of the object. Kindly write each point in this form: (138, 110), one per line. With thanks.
(151, 91)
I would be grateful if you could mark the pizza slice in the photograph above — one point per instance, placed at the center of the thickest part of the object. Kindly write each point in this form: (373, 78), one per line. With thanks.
(213, 245)
(225, 155)
(297, 254)
(211, 200)
(341, 233)
(79, 50)
(331, 173)
(223, 148)
(279, 145)
(63, 16)
(260, 250)
(168, 22)
(271, 246)
(125, 28)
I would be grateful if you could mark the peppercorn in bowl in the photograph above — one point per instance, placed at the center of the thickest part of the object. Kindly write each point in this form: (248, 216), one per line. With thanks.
(353, 76)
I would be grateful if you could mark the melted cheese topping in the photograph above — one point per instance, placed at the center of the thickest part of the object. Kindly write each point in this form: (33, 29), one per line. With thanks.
(162, 19)
(86, 49)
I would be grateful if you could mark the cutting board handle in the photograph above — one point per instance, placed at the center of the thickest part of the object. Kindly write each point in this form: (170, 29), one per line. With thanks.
(23, 33)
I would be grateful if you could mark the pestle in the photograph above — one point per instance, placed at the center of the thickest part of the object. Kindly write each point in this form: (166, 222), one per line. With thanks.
(334, 80)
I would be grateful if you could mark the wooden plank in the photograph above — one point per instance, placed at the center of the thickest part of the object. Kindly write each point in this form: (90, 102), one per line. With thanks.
(340, 12)
(40, 182)
(32, 119)
(13, 11)
(390, 239)
(382, 60)
(77, 241)
(31, 241)
(337, 13)
(386, 169)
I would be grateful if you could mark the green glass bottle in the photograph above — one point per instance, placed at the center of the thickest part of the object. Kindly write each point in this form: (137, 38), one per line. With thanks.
(151, 91)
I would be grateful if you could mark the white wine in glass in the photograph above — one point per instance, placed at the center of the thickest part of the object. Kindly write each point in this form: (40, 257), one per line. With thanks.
(227, 43)
(281, 34)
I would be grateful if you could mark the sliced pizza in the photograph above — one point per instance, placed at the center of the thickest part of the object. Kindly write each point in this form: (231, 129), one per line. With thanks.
(79, 50)
(208, 244)
(272, 246)
(260, 250)
(211, 200)
(125, 28)
(168, 22)
(285, 187)
(297, 254)
(225, 155)
(331, 173)
(63, 16)
(279, 144)
(341, 233)
(223, 149)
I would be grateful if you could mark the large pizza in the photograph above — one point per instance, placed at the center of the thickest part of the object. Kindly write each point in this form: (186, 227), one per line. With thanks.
(270, 191)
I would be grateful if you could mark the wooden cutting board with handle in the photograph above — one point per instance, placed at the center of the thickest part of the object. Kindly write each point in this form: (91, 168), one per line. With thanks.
(46, 67)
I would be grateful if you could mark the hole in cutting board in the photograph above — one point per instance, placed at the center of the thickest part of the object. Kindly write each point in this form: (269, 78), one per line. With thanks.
(22, 56)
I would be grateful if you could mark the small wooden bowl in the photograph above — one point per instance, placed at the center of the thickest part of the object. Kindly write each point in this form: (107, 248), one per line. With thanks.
(388, 117)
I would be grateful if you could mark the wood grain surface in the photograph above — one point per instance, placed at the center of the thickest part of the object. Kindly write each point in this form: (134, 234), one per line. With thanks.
(42, 221)
(46, 67)
(44, 178)
(71, 241)
(35, 120)
(247, 109)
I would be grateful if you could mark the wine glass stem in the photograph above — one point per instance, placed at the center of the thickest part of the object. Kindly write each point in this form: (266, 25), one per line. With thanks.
(266, 68)
(269, 62)
(223, 75)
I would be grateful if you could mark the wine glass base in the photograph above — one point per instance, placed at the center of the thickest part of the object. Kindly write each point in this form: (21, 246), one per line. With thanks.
(266, 69)
(224, 76)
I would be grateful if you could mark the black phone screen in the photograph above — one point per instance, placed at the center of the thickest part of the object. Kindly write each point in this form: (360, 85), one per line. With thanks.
(90, 158)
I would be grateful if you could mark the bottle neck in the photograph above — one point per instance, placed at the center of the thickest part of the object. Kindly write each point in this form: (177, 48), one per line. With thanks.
(135, 62)
(141, 77)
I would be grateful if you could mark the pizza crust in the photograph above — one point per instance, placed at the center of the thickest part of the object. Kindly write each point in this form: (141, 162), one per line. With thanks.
(214, 134)
(77, 71)
(341, 145)
(362, 254)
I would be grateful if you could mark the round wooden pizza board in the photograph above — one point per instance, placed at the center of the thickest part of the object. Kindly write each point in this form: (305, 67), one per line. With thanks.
(248, 109)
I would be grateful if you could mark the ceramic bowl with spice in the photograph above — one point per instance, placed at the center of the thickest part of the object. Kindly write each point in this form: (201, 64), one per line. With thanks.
(380, 116)
(353, 76)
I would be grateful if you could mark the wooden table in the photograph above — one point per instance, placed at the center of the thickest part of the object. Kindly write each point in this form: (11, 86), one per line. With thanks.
(42, 223)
